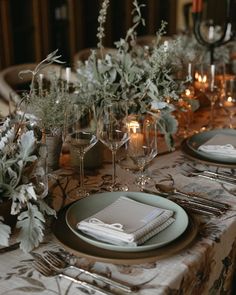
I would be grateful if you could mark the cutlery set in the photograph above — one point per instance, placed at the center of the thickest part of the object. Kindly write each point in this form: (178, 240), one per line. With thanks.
(51, 264)
(193, 202)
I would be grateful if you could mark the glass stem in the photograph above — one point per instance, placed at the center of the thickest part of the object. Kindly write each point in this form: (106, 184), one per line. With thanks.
(212, 114)
(81, 171)
(230, 120)
(114, 167)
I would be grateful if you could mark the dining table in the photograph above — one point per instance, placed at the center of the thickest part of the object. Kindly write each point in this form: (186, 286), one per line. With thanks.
(201, 260)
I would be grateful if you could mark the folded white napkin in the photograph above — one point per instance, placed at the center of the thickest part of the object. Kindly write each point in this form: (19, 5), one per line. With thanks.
(220, 144)
(126, 222)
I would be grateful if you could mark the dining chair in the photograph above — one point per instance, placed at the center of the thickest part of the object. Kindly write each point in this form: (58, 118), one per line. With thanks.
(83, 54)
(10, 81)
(149, 40)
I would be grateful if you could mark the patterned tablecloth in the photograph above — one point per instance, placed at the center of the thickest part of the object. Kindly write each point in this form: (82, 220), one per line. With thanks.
(204, 266)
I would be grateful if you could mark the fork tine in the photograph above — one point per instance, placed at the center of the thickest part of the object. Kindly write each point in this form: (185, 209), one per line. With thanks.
(42, 268)
(54, 260)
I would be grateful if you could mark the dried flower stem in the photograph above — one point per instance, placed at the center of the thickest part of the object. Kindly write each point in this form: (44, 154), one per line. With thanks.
(102, 20)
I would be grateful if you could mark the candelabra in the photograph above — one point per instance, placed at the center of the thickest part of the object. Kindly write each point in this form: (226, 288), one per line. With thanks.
(227, 33)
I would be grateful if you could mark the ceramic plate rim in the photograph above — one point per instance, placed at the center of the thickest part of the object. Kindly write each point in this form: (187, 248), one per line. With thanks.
(219, 159)
(181, 221)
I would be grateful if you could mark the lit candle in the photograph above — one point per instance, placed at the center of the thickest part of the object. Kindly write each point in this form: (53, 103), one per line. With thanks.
(228, 32)
(68, 74)
(211, 33)
(229, 102)
(189, 70)
(166, 46)
(201, 81)
(212, 82)
(136, 137)
(41, 84)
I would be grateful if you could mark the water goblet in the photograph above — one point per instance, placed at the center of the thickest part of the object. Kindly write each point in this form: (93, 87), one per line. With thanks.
(142, 146)
(82, 136)
(228, 100)
(112, 131)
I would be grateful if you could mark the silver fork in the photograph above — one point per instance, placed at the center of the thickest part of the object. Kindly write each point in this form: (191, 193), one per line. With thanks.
(58, 263)
(46, 270)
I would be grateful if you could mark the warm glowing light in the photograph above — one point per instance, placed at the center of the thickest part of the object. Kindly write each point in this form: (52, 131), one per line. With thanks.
(202, 79)
(187, 92)
(133, 126)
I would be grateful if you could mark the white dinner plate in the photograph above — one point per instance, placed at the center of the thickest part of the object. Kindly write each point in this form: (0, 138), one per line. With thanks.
(198, 139)
(86, 207)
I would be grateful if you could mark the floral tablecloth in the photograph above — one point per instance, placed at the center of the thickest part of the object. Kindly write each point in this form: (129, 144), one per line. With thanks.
(205, 266)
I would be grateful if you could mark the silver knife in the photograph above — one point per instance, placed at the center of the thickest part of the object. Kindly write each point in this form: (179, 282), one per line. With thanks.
(217, 179)
(188, 204)
(220, 175)
(196, 205)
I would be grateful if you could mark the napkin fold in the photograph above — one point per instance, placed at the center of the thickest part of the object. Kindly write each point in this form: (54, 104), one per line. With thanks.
(220, 144)
(126, 222)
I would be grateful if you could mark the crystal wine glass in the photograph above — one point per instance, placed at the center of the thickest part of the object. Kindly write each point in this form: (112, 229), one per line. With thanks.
(210, 83)
(142, 146)
(112, 131)
(228, 100)
(82, 136)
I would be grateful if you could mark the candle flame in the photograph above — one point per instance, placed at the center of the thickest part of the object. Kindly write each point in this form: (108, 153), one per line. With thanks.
(202, 79)
(133, 126)
(187, 92)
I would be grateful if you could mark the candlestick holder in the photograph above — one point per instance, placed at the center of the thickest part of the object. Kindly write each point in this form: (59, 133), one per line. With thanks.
(226, 36)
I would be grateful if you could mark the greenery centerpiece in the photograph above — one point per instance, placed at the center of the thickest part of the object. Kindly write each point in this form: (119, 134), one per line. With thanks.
(23, 179)
(144, 81)
(48, 101)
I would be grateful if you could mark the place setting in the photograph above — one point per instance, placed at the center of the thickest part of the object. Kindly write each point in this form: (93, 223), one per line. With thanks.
(158, 228)
(215, 147)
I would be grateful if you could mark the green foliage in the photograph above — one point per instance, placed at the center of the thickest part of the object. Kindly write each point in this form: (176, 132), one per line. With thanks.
(31, 224)
(19, 154)
(4, 233)
(130, 75)
(49, 106)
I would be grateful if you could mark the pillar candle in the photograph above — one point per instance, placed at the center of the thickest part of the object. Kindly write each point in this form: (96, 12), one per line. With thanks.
(68, 74)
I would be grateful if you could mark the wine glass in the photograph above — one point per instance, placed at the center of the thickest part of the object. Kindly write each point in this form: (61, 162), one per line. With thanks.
(228, 100)
(210, 82)
(142, 146)
(82, 137)
(112, 131)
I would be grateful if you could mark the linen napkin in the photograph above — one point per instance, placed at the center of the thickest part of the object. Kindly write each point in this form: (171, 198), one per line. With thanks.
(220, 144)
(126, 222)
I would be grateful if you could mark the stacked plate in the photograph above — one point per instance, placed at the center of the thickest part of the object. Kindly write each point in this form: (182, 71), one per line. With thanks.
(179, 234)
(191, 147)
